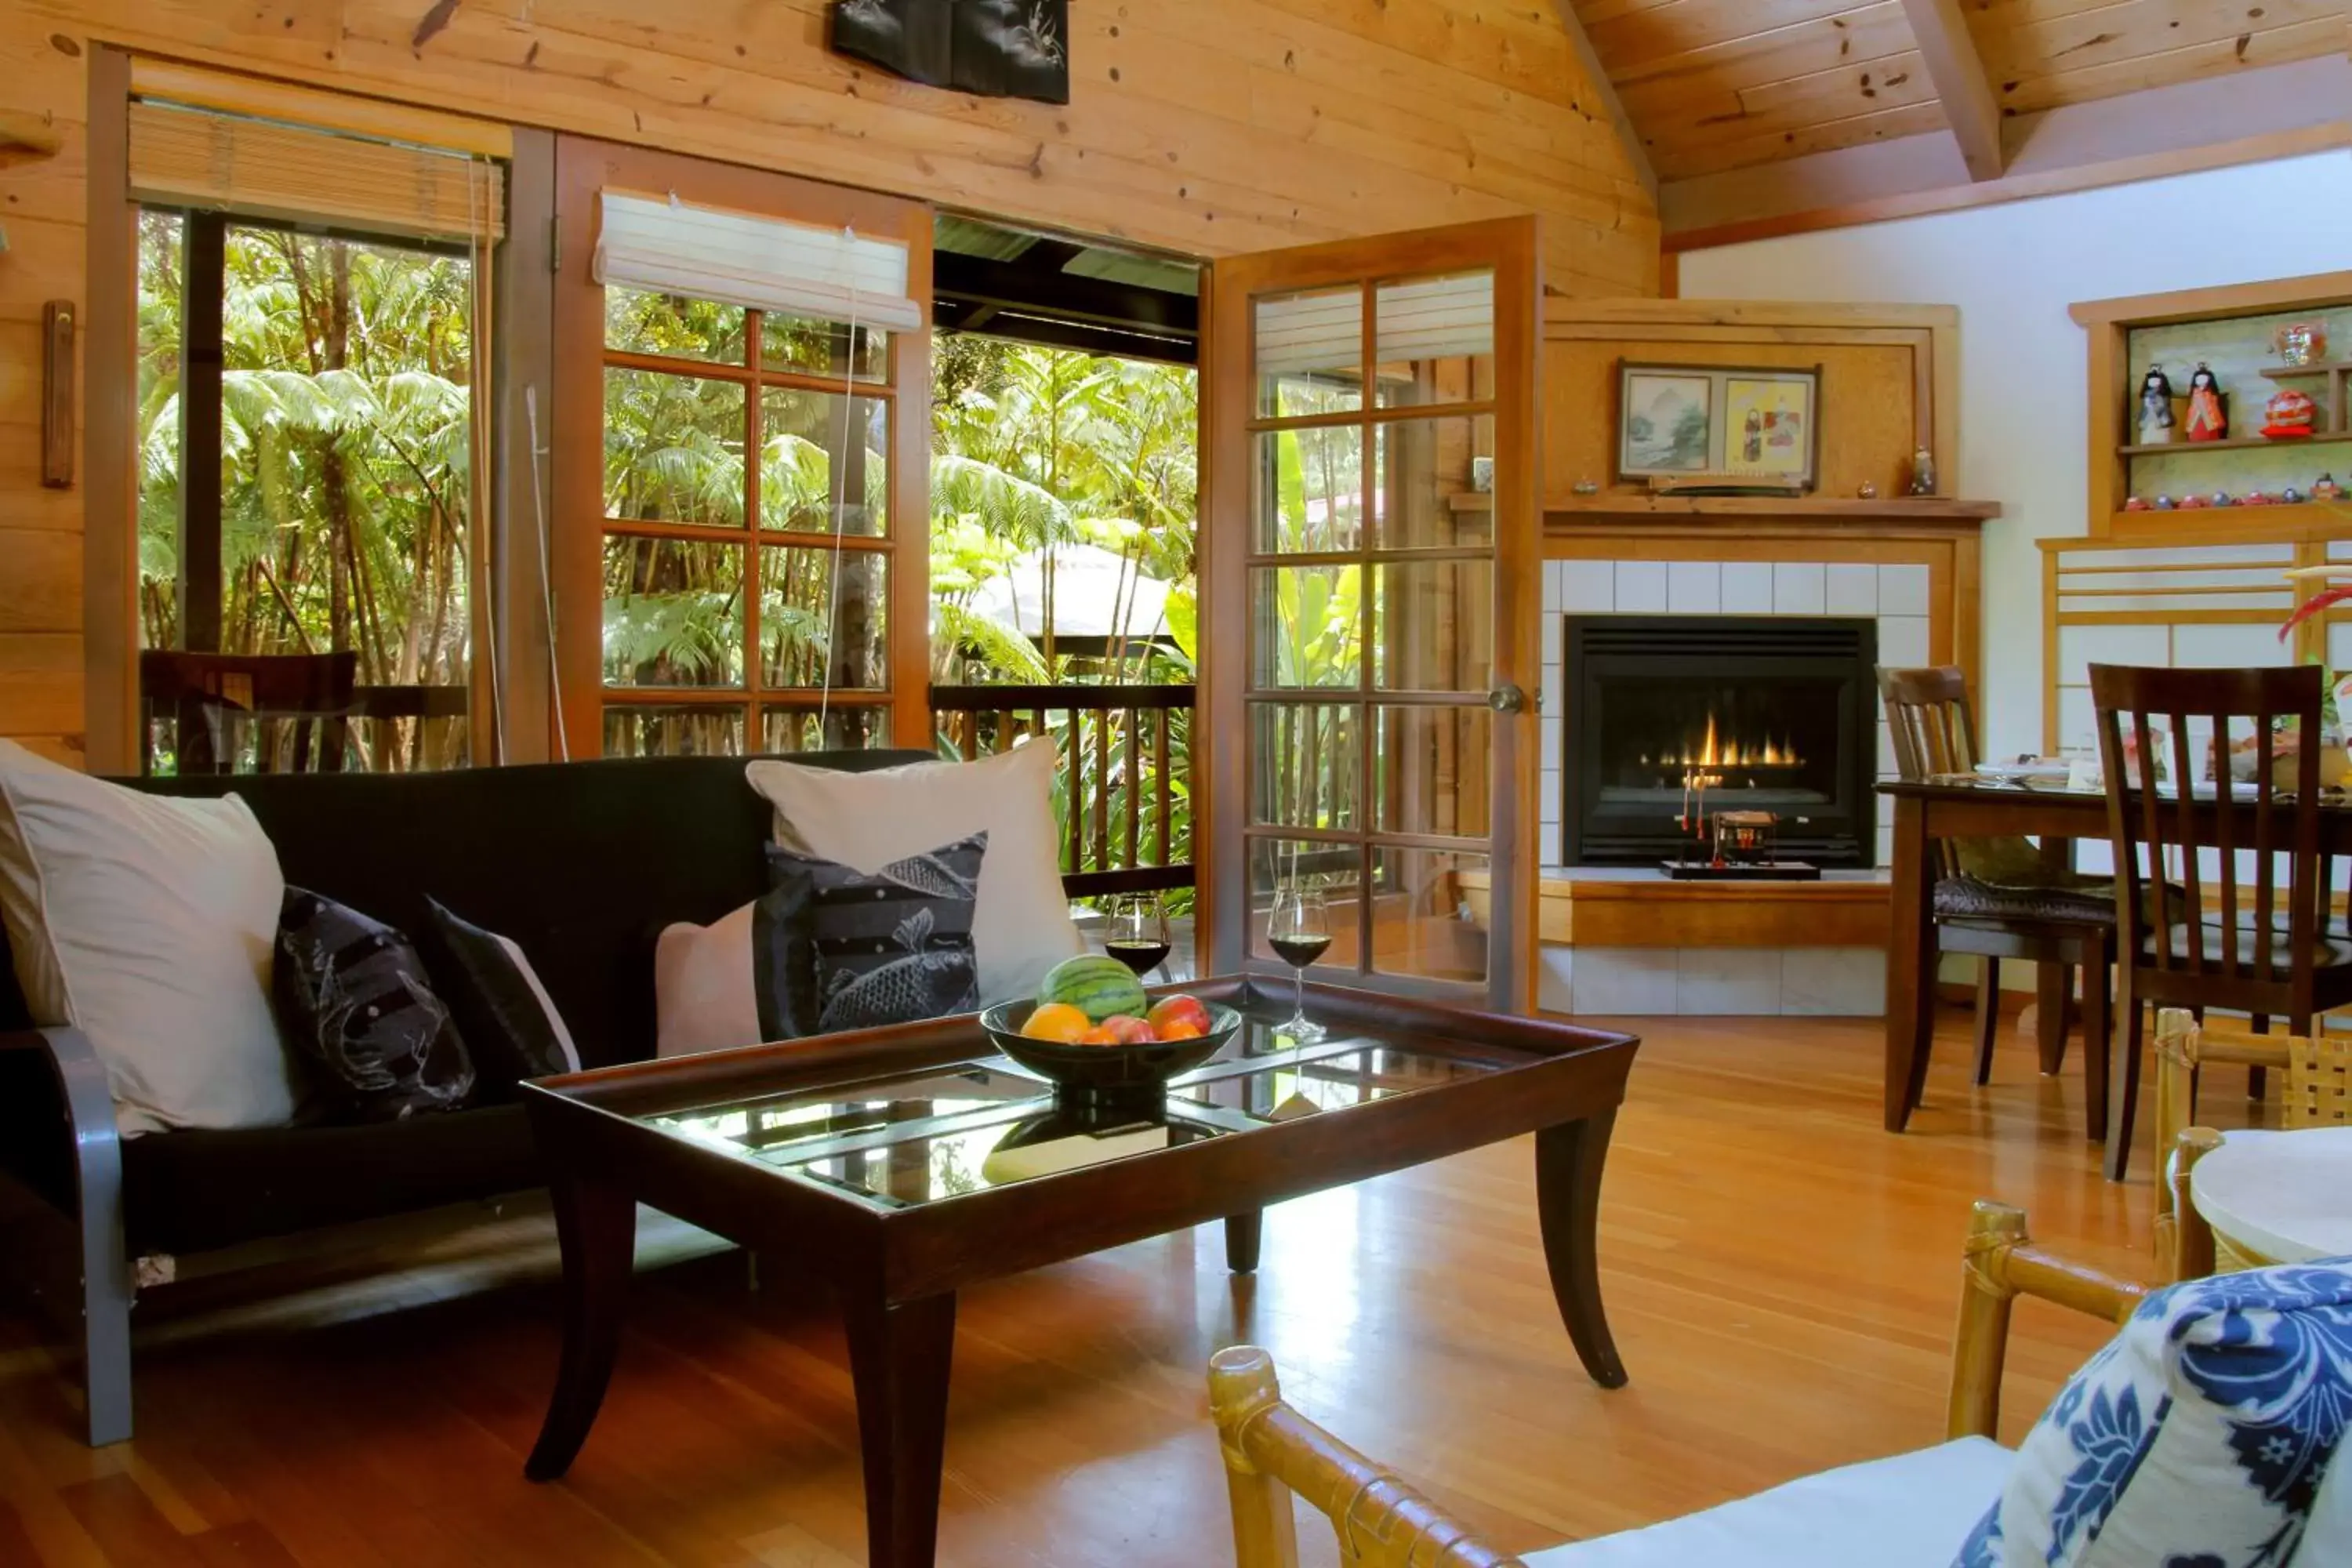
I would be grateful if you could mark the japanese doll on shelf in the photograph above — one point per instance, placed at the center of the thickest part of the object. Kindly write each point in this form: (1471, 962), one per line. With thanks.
(2209, 420)
(2289, 416)
(2155, 407)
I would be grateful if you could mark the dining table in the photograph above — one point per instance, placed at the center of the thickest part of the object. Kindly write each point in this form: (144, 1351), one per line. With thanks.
(1964, 806)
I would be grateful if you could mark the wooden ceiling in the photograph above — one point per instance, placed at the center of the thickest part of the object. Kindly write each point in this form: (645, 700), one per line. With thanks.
(1715, 90)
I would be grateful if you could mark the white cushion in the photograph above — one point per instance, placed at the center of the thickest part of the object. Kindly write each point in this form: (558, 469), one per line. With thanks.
(706, 994)
(1910, 1511)
(149, 923)
(2201, 1434)
(1021, 920)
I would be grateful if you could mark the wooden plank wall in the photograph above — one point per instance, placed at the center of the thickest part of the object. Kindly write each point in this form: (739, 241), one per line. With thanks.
(1207, 126)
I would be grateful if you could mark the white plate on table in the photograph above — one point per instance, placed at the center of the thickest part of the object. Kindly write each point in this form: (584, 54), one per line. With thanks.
(2035, 768)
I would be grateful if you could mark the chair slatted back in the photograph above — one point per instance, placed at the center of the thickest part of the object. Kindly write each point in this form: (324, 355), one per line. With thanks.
(2278, 825)
(2318, 1081)
(313, 694)
(1934, 731)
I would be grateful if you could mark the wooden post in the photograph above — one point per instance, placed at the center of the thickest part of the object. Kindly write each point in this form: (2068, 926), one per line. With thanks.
(1241, 1386)
(2191, 1237)
(1981, 1345)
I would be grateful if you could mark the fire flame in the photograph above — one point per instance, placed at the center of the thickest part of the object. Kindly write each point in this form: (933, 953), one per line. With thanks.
(1714, 753)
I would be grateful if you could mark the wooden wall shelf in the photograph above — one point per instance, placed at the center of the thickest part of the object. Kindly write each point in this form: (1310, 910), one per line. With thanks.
(2302, 521)
(1830, 508)
(2237, 443)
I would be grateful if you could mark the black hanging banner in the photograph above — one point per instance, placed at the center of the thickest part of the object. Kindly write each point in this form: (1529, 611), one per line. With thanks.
(996, 48)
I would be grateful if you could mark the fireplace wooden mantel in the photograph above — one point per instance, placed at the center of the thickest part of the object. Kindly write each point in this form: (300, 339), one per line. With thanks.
(1734, 512)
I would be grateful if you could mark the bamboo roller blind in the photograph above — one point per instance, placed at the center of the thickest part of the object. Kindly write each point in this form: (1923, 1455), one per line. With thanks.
(194, 157)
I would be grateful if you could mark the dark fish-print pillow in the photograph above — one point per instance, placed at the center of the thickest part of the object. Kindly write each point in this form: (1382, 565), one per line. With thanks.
(891, 947)
(354, 1000)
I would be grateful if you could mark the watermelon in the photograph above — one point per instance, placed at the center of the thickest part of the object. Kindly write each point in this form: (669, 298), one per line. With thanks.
(1098, 985)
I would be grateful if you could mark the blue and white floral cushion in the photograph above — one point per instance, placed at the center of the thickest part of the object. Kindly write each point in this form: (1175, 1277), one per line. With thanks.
(2197, 1438)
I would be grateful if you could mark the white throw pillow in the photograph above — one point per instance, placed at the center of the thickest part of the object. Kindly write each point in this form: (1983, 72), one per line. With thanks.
(1021, 924)
(706, 997)
(149, 923)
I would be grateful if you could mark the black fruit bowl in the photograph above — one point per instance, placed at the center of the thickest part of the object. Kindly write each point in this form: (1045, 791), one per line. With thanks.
(1104, 1072)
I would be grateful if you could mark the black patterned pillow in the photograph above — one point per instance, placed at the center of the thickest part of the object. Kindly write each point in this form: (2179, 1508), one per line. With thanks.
(508, 1018)
(891, 947)
(353, 999)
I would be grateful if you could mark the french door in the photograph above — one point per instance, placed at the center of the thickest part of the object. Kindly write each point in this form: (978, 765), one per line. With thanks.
(1370, 602)
(740, 495)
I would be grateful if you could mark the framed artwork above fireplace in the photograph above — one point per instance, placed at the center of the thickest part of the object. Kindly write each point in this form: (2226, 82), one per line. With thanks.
(1758, 424)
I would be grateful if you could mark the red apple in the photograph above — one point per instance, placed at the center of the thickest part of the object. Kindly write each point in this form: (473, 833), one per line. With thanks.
(1179, 1009)
(1127, 1029)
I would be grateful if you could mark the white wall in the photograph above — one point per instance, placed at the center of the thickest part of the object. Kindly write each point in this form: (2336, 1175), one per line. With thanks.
(2014, 269)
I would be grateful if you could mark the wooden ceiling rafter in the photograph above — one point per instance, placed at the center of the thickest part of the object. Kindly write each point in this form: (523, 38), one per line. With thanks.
(1604, 93)
(1950, 52)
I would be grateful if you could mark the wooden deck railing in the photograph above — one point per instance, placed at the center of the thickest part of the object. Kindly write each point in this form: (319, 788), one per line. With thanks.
(1123, 782)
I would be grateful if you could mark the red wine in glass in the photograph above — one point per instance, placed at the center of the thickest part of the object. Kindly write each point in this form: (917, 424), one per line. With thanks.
(1141, 956)
(1298, 929)
(1299, 951)
(1138, 934)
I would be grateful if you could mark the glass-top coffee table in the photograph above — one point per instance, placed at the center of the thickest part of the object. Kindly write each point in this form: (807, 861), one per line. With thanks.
(902, 1164)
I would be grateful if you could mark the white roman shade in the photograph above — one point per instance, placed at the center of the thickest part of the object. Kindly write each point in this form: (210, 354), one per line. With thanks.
(1425, 317)
(188, 157)
(802, 269)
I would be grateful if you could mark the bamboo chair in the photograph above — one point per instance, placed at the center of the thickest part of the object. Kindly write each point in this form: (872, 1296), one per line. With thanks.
(309, 696)
(2269, 955)
(1272, 1451)
(1999, 899)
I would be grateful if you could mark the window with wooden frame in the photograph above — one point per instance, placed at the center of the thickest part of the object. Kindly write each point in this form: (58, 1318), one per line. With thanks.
(740, 422)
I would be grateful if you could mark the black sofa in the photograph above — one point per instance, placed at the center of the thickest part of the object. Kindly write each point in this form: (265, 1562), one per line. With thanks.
(581, 864)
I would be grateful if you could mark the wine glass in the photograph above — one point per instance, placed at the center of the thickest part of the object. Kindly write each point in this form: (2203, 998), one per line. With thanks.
(1299, 928)
(1137, 934)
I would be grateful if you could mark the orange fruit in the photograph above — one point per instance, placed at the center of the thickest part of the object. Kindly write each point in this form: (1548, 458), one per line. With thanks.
(1057, 1021)
(1181, 1029)
(1100, 1034)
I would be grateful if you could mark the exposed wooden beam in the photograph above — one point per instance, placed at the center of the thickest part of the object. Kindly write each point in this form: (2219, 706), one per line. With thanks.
(1950, 52)
(2273, 112)
(1602, 93)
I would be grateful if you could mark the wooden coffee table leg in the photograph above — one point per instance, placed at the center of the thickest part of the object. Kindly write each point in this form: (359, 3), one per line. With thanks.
(1569, 1158)
(1244, 1232)
(899, 1357)
(597, 1225)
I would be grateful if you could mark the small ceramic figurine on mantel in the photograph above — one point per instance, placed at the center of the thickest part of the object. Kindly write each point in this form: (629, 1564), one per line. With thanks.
(1923, 472)
(2155, 408)
(2208, 421)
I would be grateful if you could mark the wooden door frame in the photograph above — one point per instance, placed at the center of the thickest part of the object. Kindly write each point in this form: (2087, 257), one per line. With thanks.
(1512, 248)
(585, 166)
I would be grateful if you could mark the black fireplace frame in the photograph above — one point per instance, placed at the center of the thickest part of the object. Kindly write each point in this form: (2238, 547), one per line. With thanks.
(1843, 834)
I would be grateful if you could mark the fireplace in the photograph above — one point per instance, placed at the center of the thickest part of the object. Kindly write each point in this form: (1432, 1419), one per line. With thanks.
(1776, 712)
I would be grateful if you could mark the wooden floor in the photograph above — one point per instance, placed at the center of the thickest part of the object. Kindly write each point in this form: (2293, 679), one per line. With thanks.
(1780, 1273)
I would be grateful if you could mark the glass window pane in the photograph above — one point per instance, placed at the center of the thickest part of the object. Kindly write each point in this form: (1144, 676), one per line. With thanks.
(799, 588)
(1335, 870)
(1429, 915)
(1306, 625)
(1310, 352)
(842, 729)
(673, 613)
(1431, 771)
(673, 448)
(800, 433)
(1305, 764)
(1434, 626)
(696, 731)
(636, 322)
(1433, 484)
(162, 247)
(823, 348)
(1310, 489)
(1436, 339)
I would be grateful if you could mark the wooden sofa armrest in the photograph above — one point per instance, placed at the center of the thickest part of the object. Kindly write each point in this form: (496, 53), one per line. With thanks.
(1271, 1450)
(2002, 1264)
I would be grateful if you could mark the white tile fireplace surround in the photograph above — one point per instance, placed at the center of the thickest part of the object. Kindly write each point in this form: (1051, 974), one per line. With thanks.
(1747, 981)
(1895, 596)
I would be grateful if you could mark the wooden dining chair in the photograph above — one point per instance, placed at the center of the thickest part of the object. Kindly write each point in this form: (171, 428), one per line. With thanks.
(302, 702)
(2190, 941)
(2003, 897)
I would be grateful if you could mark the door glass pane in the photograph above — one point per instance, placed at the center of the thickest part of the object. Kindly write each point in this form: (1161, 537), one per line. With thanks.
(1305, 767)
(1333, 870)
(843, 728)
(1433, 483)
(817, 348)
(1432, 625)
(799, 593)
(673, 613)
(800, 434)
(1305, 626)
(637, 321)
(673, 448)
(1436, 338)
(1432, 770)
(696, 731)
(1428, 913)
(1310, 489)
(162, 247)
(1310, 353)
